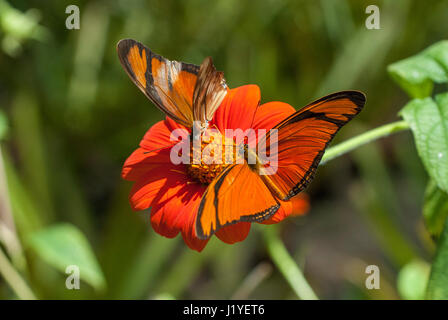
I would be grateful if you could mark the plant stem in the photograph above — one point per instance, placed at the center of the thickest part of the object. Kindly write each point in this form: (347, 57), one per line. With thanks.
(287, 266)
(13, 278)
(362, 139)
(276, 248)
(8, 234)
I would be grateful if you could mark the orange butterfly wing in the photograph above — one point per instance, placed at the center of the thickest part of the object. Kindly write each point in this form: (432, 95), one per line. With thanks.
(242, 193)
(168, 84)
(236, 194)
(209, 92)
(302, 139)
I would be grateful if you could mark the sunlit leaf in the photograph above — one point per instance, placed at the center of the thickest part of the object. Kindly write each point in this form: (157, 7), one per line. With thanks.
(435, 208)
(438, 280)
(64, 245)
(413, 279)
(417, 74)
(428, 120)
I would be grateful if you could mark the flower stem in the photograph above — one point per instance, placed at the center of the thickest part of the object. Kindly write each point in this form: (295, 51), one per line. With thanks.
(286, 264)
(276, 248)
(362, 139)
(13, 278)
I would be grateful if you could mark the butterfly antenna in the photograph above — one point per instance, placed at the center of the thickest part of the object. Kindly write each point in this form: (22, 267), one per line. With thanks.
(253, 118)
(158, 149)
(178, 171)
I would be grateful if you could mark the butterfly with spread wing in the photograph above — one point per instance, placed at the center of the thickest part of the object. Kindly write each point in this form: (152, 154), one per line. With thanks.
(187, 93)
(254, 192)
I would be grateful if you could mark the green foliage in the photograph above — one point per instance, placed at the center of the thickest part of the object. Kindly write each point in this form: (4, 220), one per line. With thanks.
(73, 117)
(417, 74)
(3, 125)
(64, 245)
(18, 27)
(413, 279)
(428, 120)
(438, 280)
(435, 209)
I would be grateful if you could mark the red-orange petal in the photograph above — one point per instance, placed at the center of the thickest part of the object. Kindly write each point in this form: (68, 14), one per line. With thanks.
(166, 210)
(234, 233)
(141, 161)
(153, 185)
(159, 135)
(187, 219)
(238, 108)
(270, 114)
(160, 221)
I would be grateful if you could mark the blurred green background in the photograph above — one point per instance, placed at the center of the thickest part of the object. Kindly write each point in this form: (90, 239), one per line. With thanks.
(69, 117)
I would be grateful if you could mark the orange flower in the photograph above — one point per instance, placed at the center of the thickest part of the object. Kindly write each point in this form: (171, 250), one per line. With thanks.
(174, 192)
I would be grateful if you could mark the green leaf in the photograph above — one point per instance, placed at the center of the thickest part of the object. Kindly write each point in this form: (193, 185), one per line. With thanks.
(64, 245)
(417, 74)
(435, 208)
(438, 280)
(413, 279)
(3, 125)
(428, 120)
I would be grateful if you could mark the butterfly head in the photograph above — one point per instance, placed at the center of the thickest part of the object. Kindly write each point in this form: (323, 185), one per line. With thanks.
(199, 128)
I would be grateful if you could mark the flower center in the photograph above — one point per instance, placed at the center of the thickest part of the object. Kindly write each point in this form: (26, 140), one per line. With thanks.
(210, 155)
